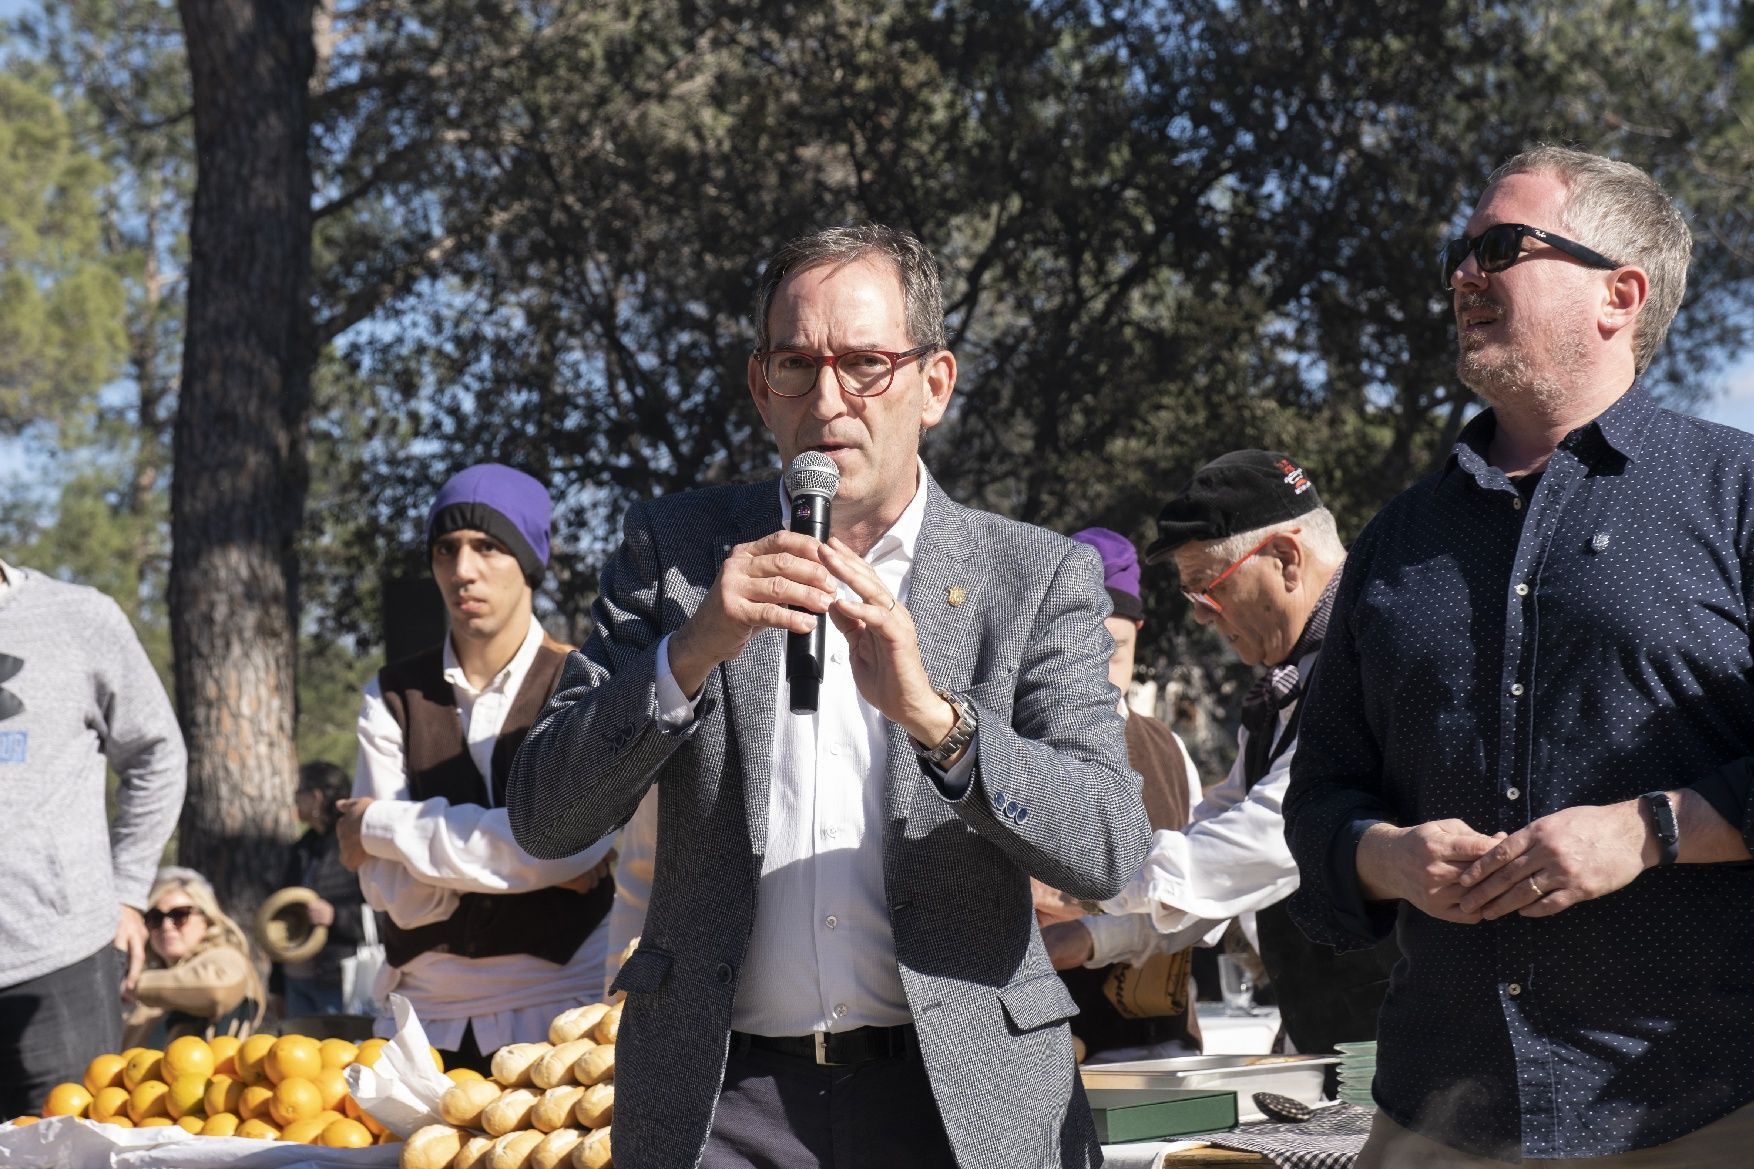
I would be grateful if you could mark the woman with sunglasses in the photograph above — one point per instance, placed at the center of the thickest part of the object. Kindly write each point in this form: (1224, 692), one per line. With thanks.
(199, 978)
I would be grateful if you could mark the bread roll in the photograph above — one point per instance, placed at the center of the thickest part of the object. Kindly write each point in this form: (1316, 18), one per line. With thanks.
(513, 1063)
(473, 1154)
(462, 1105)
(512, 1151)
(431, 1147)
(555, 1151)
(593, 1151)
(554, 1110)
(596, 1106)
(596, 1065)
(510, 1112)
(576, 1023)
(608, 1026)
(555, 1067)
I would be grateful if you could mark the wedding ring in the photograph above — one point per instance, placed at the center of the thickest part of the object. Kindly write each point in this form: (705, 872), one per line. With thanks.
(891, 608)
(1535, 889)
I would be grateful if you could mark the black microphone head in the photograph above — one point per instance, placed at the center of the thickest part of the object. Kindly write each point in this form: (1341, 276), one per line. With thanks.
(813, 473)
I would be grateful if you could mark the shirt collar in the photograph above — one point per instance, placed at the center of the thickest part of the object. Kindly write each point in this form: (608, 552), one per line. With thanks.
(903, 536)
(517, 667)
(1620, 428)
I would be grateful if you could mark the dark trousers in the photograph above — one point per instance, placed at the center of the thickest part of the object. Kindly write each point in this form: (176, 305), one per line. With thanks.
(55, 1024)
(468, 1054)
(782, 1112)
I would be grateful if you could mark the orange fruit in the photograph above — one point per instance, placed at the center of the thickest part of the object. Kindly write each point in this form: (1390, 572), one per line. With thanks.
(187, 1096)
(346, 1134)
(249, 1057)
(220, 1124)
(293, 1056)
(259, 1130)
(223, 1094)
(147, 1100)
(109, 1102)
(295, 1098)
(188, 1056)
(156, 1122)
(370, 1122)
(67, 1100)
(191, 1124)
(337, 1053)
(332, 1084)
(130, 1053)
(305, 1131)
(104, 1072)
(146, 1064)
(21, 1121)
(225, 1049)
(369, 1051)
(253, 1102)
(463, 1075)
(120, 1122)
(438, 1061)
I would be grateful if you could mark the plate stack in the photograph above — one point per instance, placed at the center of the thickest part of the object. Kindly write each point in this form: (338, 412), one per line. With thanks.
(1357, 1070)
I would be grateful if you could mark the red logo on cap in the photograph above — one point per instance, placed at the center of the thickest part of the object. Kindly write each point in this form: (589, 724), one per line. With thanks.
(1294, 476)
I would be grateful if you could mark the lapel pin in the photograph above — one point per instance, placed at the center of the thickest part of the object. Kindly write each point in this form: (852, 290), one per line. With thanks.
(958, 594)
(1600, 542)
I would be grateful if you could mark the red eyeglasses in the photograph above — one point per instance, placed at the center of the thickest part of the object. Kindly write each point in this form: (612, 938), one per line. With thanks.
(1204, 596)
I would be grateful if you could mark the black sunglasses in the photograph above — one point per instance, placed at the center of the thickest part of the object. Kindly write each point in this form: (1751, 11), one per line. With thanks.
(177, 916)
(1501, 245)
(10, 703)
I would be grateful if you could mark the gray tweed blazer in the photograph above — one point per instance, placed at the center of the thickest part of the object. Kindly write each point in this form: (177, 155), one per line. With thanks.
(1052, 796)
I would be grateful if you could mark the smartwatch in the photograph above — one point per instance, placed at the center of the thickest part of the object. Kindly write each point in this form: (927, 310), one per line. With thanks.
(1662, 818)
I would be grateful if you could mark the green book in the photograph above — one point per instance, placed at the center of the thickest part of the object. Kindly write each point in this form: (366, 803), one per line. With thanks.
(1152, 1114)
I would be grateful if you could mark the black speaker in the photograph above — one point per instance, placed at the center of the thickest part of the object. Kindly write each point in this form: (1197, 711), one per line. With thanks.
(414, 616)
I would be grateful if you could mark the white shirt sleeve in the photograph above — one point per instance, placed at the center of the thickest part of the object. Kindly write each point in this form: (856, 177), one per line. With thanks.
(1231, 859)
(675, 709)
(636, 863)
(1129, 938)
(464, 848)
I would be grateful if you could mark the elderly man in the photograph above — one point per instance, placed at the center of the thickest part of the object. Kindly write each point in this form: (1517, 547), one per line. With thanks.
(1259, 559)
(1527, 746)
(840, 964)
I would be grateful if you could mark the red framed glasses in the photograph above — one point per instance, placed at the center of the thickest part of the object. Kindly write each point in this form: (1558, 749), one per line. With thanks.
(1205, 599)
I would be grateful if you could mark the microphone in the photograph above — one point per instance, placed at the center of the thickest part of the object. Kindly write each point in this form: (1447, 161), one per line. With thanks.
(811, 480)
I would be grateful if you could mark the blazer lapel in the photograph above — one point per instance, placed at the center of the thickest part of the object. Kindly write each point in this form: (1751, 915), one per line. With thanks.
(944, 599)
(750, 679)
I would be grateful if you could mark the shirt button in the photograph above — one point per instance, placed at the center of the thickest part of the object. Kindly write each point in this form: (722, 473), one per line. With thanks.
(1512, 793)
(1522, 590)
(834, 750)
(724, 972)
(1516, 504)
(1516, 688)
(840, 1010)
(1515, 989)
(831, 921)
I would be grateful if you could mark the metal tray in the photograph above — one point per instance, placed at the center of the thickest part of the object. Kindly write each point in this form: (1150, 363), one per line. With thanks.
(1297, 1076)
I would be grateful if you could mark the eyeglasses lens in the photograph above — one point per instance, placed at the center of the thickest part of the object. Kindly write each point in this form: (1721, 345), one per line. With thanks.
(792, 375)
(177, 916)
(1497, 249)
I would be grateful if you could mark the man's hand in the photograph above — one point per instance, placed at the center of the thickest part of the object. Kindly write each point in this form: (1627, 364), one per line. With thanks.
(131, 940)
(1572, 855)
(1422, 866)
(885, 649)
(347, 828)
(585, 882)
(755, 588)
(322, 913)
(1051, 905)
(1069, 944)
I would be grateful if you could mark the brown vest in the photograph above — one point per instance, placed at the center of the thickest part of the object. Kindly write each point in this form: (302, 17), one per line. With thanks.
(547, 923)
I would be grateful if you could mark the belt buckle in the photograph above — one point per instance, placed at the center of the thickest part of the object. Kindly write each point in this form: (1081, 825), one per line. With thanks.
(821, 1038)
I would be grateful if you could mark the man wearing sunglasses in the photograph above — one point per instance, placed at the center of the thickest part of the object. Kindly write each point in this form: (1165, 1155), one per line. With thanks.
(77, 697)
(840, 963)
(1527, 746)
(1259, 558)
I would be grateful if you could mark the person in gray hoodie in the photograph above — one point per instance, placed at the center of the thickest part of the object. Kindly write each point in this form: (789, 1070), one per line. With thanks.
(76, 691)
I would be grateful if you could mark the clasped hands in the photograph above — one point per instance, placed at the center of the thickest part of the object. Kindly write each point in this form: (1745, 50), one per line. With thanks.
(1446, 869)
(786, 580)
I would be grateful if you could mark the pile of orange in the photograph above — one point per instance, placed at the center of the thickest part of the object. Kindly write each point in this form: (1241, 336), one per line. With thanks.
(286, 1088)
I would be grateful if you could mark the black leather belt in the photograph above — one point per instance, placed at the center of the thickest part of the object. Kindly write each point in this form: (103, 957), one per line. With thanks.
(859, 1045)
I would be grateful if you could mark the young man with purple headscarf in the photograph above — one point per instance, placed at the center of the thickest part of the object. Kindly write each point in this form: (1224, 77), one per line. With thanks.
(487, 942)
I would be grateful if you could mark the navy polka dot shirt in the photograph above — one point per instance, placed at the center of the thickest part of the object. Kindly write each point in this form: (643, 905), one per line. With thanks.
(1495, 658)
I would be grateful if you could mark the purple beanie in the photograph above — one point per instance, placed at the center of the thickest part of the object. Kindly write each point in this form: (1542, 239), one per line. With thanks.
(507, 504)
(1120, 569)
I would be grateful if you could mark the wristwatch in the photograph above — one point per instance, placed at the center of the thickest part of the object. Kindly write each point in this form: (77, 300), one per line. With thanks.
(1662, 818)
(959, 736)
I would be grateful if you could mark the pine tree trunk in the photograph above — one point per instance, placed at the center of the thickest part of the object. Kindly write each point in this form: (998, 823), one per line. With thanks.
(238, 487)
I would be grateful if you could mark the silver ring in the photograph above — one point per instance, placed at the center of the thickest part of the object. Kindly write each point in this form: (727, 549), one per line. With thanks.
(1536, 889)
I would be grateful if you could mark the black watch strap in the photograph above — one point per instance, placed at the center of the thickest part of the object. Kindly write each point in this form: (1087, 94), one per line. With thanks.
(1662, 818)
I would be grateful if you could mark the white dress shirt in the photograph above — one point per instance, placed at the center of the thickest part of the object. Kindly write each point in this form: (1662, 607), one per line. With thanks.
(1230, 860)
(821, 956)
(424, 854)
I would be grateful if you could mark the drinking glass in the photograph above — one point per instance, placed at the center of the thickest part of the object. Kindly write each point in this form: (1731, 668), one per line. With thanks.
(1237, 985)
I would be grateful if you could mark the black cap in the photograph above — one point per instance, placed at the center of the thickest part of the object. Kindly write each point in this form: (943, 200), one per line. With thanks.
(1238, 492)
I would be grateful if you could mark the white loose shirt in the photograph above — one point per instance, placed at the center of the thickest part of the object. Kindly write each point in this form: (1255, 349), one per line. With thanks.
(822, 956)
(425, 853)
(1231, 859)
